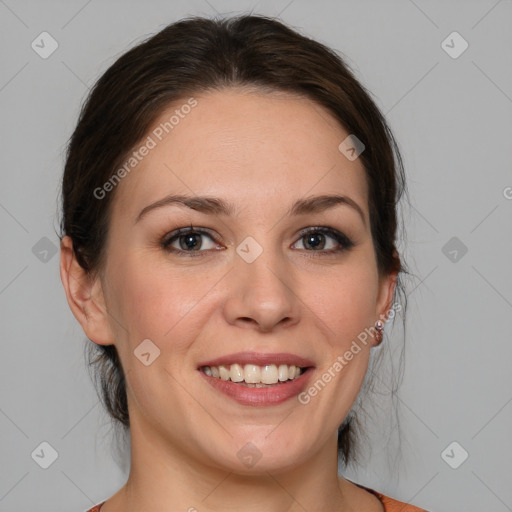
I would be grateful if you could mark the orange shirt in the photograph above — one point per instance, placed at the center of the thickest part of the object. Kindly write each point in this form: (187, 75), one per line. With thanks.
(390, 505)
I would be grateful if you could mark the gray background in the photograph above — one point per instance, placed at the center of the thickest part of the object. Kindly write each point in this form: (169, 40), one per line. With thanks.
(452, 118)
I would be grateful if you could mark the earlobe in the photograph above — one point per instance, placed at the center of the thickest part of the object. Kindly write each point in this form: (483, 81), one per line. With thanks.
(84, 295)
(386, 292)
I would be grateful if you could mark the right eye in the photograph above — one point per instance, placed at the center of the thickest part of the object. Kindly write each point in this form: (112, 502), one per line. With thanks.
(187, 241)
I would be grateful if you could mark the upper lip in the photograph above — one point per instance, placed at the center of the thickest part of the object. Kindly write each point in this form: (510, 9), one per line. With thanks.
(258, 359)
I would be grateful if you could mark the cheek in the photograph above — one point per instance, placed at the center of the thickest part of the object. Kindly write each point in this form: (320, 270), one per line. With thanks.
(152, 305)
(152, 301)
(346, 303)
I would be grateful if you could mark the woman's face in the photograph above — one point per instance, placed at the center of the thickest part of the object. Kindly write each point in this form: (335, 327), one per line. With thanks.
(246, 280)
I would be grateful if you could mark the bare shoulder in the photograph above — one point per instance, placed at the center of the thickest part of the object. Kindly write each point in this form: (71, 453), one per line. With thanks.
(358, 498)
(115, 503)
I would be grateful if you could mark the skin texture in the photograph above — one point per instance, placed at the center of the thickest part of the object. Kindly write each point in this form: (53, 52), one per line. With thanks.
(261, 152)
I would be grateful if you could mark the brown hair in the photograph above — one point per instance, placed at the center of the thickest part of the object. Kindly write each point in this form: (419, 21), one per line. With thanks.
(200, 54)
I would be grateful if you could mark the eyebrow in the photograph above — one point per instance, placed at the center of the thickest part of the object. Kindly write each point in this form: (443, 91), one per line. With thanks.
(217, 206)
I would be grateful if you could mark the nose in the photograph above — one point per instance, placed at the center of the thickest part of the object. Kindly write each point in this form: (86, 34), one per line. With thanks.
(261, 295)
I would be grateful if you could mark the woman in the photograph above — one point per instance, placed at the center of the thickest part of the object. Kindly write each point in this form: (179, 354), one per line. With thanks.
(228, 244)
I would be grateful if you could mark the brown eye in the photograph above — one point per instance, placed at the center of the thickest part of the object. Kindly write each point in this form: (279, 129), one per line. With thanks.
(314, 241)
(324, 239)
(188, 240)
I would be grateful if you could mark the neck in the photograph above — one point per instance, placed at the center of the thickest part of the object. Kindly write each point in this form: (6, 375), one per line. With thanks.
(164, 477)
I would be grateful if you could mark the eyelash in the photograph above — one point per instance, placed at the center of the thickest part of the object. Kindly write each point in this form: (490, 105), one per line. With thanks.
(344, 242)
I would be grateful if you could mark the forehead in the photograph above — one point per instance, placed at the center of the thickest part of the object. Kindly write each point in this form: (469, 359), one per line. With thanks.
(248, 147)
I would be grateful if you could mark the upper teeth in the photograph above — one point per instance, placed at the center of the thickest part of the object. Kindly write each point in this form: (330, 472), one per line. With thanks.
(253, 374)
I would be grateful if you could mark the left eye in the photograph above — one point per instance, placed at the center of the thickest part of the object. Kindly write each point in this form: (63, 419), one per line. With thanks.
(317, 239)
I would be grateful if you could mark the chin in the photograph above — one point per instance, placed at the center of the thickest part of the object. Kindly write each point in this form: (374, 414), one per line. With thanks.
(257, 455)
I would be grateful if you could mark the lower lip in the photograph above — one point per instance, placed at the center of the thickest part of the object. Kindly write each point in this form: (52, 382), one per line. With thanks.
(274, 395)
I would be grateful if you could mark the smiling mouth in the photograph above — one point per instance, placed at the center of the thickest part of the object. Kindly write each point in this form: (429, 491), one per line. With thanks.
(254, 376)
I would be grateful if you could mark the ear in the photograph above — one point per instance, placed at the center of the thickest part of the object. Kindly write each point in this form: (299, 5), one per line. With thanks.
(387, 285)
(85, 296)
